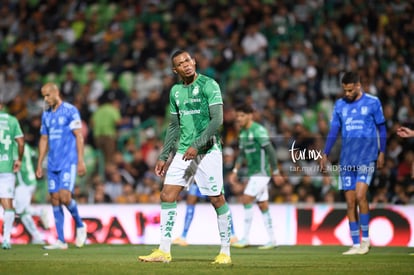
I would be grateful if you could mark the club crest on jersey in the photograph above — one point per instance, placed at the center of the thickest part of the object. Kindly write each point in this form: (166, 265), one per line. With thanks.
(364, 110)
(61, 120)
(195, 91)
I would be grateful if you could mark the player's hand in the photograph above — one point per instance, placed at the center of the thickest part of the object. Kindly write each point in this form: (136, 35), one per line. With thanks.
(233, 177)
(16, 166)
(405, 132)
(322, 163)
(190, 154)
(160, 168)
(81, 168)
(39, 172)
(380, 160)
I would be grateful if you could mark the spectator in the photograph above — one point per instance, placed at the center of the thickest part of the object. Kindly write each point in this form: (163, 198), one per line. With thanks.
(69, 87)
(105, 121)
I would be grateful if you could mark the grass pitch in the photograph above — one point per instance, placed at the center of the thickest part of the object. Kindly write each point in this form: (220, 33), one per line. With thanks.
(196, 259)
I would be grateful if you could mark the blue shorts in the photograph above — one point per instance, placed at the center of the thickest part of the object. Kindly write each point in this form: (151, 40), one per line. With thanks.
(63, 179)
(350, 175)
(194, 191)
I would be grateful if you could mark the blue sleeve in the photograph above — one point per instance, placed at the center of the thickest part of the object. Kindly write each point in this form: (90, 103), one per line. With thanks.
(379, 114)
(43, 128)
(382, 136)
(331, 138)
(334, 130)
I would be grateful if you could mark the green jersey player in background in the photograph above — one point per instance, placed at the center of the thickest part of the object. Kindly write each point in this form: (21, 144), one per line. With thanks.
(260, 156)
(196, 108)
(25, 188)
(11, 136)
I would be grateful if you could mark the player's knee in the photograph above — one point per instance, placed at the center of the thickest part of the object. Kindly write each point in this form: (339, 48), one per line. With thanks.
(168, 197)
(361, 197)
(217, 201)
(65, 199)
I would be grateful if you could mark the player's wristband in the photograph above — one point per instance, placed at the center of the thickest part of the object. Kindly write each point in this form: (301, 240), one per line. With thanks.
(234, 170)
(275, 172)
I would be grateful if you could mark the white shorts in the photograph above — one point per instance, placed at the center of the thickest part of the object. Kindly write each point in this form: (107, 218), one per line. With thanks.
(23, 197)
(206, 170)
(7, 185)
(257, 187)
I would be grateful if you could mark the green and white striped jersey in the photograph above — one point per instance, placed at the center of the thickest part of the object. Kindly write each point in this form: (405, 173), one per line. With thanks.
(9, 130)
(27, 175)
(251, 144)
(191, 103)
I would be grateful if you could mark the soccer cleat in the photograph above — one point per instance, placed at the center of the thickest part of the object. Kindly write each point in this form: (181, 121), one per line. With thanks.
(352, 251)
(44, 218)
(240, 244)
(180, 241)
(233, 239)
(38, 241)
(57, 245)
(157, 255)
(6, 245)
(269, 245)
(365, 246)
(81, 234)
(222, 259)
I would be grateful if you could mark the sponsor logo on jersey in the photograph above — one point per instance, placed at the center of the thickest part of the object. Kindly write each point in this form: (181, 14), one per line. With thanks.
(189, 112)
(353, 124)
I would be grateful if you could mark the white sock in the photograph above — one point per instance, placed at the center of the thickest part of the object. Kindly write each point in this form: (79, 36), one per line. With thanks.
(267, 219)
(8, 220)
(224, 226)
(29, 224)
(167, 221)
(248, 218)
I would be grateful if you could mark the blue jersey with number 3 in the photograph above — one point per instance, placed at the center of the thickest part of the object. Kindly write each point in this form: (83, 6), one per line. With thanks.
(358, 121)
(58, 126)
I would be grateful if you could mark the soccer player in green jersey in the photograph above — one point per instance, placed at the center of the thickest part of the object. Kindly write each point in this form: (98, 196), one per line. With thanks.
(196, 109)
(11, 135)
(25, 188)
(260, 156)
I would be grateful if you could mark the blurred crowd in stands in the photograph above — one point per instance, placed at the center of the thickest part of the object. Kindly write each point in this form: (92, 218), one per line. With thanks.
(112, 60)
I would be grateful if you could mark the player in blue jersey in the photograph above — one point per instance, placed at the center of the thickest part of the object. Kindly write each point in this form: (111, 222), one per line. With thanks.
(360, 120)
(62, 140)
(192, 197)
